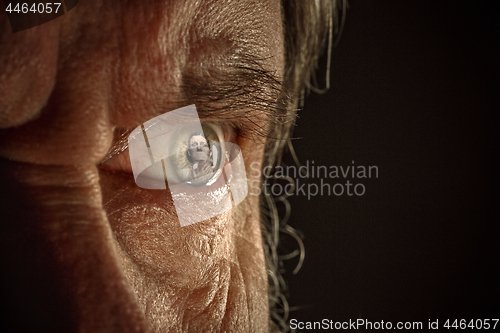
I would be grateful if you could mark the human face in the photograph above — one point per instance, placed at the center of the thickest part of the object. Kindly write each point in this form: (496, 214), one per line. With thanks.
(198, 148)
(89, 249)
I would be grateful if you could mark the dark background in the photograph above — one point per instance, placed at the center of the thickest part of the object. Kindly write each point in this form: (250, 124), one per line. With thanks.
(414, 92)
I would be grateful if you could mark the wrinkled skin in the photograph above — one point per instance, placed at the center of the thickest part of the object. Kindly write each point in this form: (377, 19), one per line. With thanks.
(83, 248)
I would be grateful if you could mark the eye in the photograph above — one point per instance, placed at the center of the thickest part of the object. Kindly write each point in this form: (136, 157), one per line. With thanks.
(173, 156)
(203, 183)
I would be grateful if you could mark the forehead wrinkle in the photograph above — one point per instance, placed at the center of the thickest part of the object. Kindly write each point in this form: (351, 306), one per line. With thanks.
(249, 24)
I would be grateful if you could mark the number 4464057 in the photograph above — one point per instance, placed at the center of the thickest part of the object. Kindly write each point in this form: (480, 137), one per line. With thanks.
(35, 8)
(477, 324)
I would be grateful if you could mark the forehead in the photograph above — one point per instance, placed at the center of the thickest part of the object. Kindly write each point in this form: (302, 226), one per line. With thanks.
(198, 138)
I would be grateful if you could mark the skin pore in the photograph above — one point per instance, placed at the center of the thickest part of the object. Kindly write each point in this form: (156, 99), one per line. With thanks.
(88, 250)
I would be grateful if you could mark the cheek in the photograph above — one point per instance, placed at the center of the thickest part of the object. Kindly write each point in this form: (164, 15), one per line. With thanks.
(148, 232)
(211, 274)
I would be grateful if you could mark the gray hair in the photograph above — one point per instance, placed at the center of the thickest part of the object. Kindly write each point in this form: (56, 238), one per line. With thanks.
(309, 25)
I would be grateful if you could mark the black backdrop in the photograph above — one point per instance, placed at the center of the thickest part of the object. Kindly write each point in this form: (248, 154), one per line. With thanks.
(414, 92)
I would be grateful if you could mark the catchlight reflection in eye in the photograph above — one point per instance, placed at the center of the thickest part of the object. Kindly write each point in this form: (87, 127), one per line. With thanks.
(205, 175)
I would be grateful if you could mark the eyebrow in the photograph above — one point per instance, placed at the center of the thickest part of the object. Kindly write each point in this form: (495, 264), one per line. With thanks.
(240, 92)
